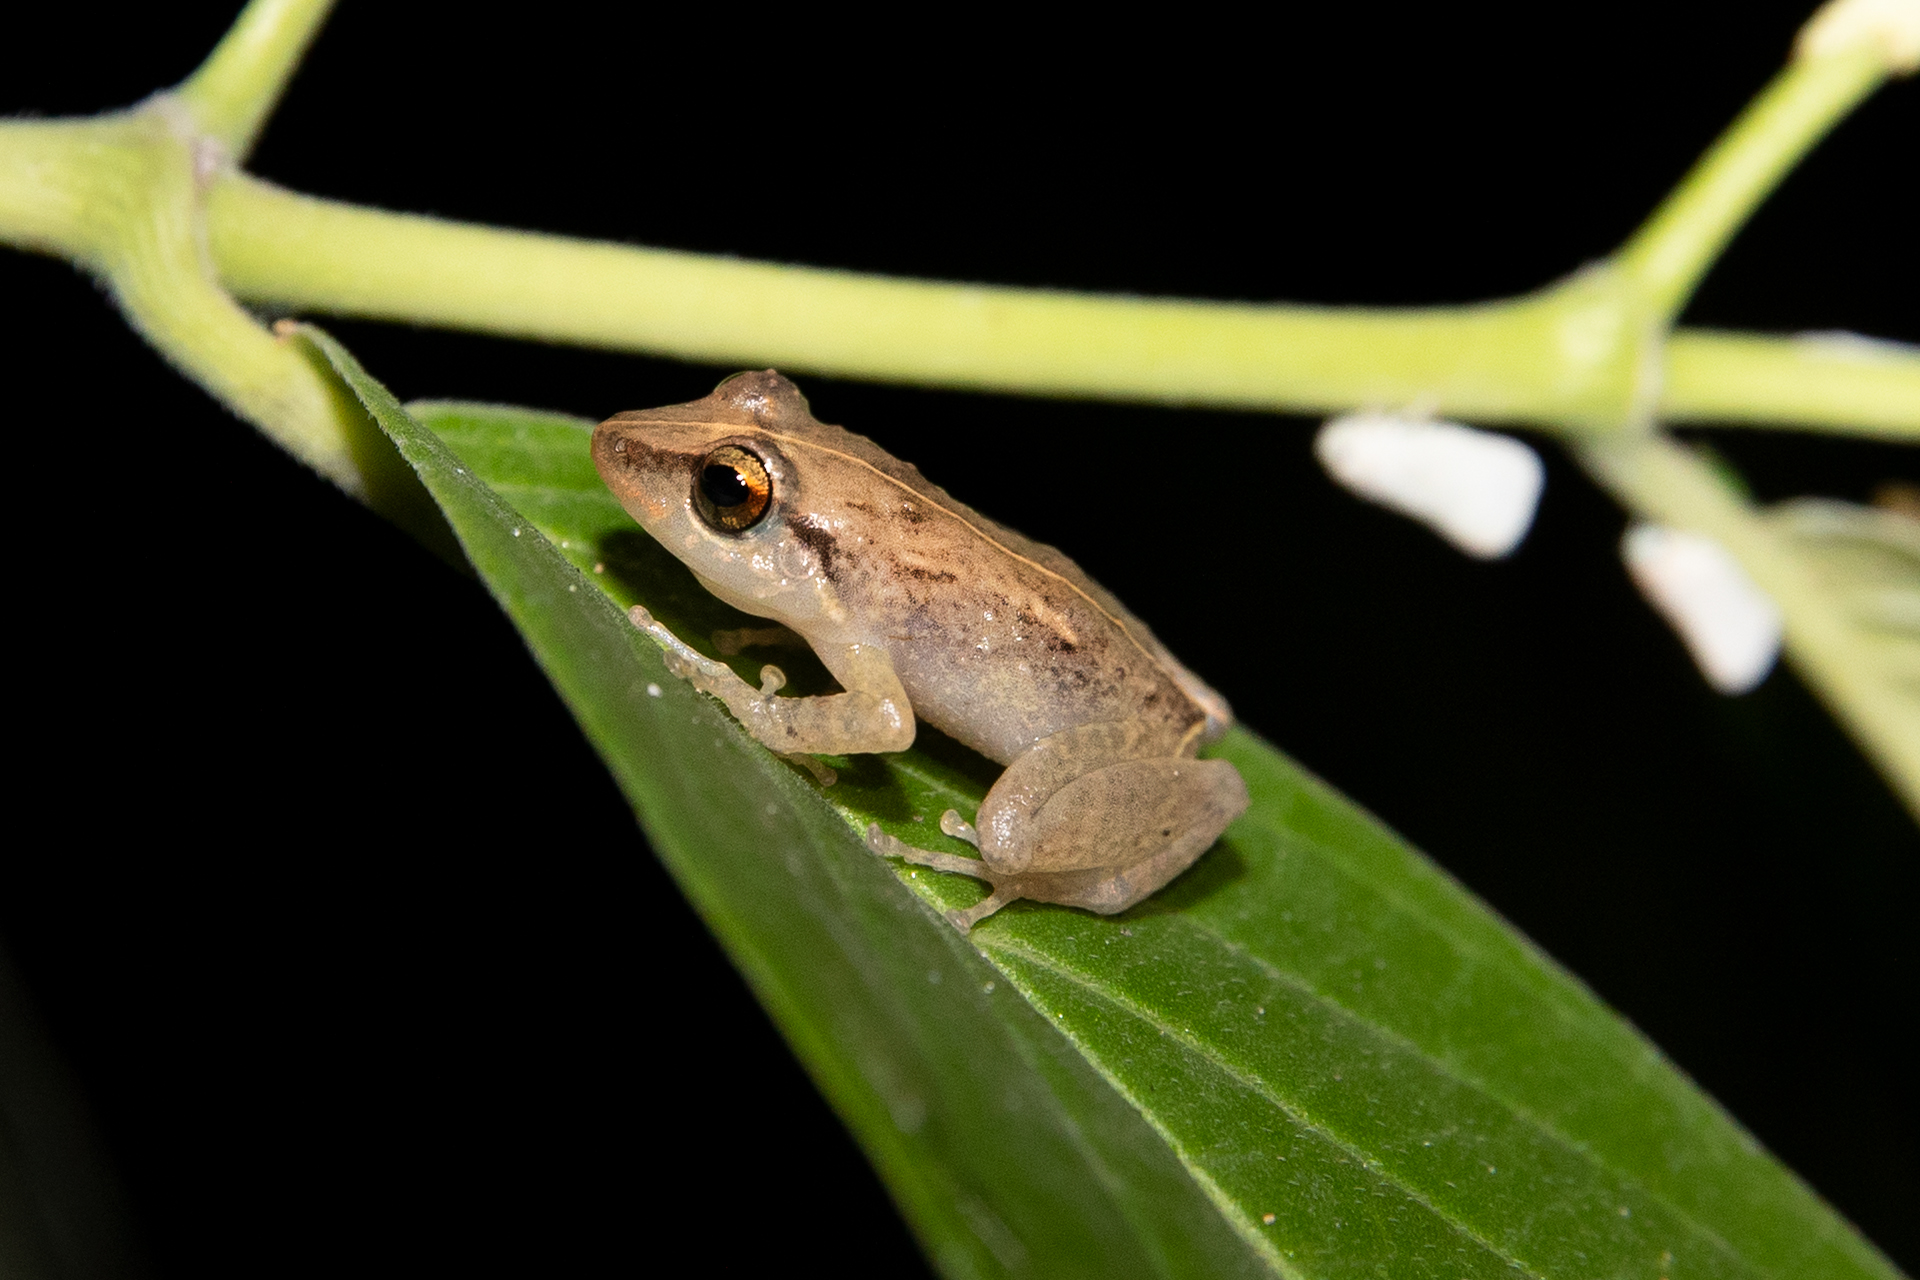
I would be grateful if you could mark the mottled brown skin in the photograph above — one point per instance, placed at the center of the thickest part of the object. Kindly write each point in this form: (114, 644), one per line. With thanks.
(921, 607)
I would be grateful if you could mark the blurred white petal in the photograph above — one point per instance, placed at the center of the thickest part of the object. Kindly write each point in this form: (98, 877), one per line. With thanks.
(1844, 25)
(1476, 489)
(1730, 626)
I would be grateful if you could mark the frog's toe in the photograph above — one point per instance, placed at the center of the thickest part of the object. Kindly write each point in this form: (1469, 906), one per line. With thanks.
(959, 828)
(889, 847)
(823, 773)
(965, 920)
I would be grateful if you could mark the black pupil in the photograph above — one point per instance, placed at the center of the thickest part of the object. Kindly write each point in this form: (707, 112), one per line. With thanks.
(723, 486)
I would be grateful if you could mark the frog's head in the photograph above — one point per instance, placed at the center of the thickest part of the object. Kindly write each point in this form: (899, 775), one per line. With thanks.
(712, 482)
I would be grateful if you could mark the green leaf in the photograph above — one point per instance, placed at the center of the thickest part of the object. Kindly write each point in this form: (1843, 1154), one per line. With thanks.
(1313, 1055)
(1862, 566)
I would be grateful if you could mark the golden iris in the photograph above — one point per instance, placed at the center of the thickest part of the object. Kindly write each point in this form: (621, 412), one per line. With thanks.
(731, 489)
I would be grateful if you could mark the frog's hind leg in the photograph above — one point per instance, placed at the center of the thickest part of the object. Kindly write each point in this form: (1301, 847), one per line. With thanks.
(1102, 815)
(890, 847)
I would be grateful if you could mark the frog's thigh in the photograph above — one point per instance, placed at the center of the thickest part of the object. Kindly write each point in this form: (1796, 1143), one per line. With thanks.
(1128, 815)
(1107, 894)
(1033, 777)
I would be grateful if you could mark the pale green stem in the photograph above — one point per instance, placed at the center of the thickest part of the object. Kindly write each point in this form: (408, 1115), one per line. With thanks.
(1551, 357)
(119, 196)
(1820, 381)
(1666, 482)
(130, 197)
(1669, 254)
(1579, 357)
(237, 87)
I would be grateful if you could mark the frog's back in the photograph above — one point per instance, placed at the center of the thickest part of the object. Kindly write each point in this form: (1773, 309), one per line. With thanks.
(999, 640)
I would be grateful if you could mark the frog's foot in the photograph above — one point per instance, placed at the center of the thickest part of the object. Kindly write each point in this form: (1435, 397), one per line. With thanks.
(890, 847)
(703, 673)
(965, 920)
(682, 659)
(872, 715)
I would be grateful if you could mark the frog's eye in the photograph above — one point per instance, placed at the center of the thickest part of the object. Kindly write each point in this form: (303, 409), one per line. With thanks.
(731, 489)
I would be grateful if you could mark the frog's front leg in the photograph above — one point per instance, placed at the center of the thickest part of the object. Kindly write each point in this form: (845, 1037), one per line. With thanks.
(872, 715)
(1098, 816)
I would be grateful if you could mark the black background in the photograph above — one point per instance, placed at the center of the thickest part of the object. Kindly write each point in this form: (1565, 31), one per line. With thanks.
(347, 937)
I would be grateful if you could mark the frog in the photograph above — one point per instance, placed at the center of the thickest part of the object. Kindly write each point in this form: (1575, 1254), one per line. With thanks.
(924, 610)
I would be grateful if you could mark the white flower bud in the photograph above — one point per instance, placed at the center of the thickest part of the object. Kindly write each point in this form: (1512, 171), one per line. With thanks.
(1843, 25)
(1730, 626)
(1476, 489)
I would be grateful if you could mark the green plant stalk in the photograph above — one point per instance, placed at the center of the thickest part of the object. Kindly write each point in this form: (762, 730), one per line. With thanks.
(122, 195)
(1667, 482)
(1561, 358)
(1675, 247)
(240, 83)
(1835, 382)
(1663, 481)
(1497, 361)
(1574, 356)
(119, 196)
(70, 187)
(161, 214)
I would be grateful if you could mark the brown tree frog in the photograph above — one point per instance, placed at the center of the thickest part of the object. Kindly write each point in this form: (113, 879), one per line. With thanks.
(924, 609)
